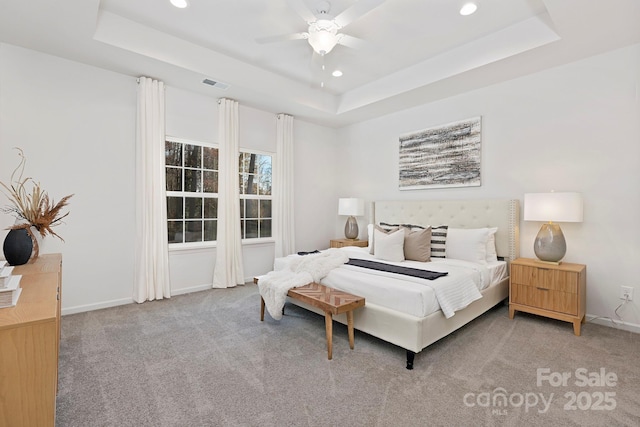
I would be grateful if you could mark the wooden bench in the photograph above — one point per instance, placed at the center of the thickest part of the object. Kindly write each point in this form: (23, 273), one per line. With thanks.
(329, 300)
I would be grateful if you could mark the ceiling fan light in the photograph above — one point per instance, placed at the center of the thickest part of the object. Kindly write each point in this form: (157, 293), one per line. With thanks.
(181, 4)
(323, 36)
(468, 9)
(322, 41)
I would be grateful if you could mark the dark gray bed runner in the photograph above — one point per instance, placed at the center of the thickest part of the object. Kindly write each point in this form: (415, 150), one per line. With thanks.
(407, 271)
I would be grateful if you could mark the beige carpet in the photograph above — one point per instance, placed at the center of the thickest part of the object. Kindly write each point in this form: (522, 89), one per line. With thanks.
(205, 359)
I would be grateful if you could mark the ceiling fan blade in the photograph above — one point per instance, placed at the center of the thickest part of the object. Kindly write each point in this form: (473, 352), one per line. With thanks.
(360, 8)
(301, 9)
(282, 38)
(352, 42)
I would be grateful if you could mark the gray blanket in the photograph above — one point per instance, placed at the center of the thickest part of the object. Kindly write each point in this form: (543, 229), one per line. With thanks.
(407, 271)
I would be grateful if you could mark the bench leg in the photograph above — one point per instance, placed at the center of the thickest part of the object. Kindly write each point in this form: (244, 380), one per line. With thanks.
(261, 309)
(328, 323)
(350, 328)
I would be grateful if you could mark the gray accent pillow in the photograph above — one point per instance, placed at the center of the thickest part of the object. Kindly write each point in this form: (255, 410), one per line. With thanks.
(417, 244)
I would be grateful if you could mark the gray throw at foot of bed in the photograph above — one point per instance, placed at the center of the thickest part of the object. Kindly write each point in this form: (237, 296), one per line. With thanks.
(407, 271)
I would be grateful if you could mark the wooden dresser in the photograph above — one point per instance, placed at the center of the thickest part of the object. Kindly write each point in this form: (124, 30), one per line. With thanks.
(555, 291)
(29, 345)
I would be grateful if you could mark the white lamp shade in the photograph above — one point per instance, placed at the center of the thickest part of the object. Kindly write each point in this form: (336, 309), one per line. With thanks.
(556, 207)
(351, 207)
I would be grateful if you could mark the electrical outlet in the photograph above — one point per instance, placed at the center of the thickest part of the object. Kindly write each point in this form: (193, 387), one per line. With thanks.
(626, 293)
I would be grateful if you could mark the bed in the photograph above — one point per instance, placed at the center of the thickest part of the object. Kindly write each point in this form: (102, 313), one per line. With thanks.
(415, 325)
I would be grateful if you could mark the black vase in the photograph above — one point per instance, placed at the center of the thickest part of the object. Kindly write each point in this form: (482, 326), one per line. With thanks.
(17, 247)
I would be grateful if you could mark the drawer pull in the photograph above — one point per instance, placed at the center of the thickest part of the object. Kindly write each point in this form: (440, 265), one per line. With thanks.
(542, 289)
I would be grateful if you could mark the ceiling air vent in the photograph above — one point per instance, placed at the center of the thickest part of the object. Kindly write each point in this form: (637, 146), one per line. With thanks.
(214, 83)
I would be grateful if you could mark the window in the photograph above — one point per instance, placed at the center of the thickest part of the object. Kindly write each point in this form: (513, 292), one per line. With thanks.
(255, 195)
(192, 191)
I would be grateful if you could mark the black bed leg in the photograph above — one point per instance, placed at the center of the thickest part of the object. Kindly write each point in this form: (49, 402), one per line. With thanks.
(410, 356)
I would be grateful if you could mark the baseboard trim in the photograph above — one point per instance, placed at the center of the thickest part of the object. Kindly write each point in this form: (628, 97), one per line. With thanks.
(191, 289)
(617, 324)
(123, 301)
(97, 306)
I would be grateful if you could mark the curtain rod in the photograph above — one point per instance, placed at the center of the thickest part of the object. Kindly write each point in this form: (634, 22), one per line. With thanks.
(164, 86)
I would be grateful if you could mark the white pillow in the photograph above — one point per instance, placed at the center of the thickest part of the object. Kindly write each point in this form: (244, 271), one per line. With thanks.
(370, 237)
(492, 255)
(389, 246)
(468, 244)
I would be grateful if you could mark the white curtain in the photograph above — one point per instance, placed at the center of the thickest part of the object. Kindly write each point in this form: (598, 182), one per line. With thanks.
(152, 253)
(283, 218)
(228, 270)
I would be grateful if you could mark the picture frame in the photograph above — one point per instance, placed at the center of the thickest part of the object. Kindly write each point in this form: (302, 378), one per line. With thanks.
(442, 156)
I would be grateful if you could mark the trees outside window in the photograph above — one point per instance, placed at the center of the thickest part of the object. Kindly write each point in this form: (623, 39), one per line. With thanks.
(255, 195)
(192, 191)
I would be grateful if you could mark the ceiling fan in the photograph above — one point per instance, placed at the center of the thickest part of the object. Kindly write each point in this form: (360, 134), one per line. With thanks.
(322, 33)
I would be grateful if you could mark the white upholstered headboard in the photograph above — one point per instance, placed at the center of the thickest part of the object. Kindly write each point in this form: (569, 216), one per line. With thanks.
(504, 214)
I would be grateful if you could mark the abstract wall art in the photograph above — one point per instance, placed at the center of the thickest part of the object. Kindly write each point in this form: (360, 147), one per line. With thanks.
(441, 156)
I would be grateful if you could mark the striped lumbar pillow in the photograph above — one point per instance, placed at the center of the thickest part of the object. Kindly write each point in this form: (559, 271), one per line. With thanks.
(439, 241)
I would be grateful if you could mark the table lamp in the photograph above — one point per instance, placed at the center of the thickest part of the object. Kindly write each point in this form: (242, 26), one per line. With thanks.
(351, 207)
(550, 245)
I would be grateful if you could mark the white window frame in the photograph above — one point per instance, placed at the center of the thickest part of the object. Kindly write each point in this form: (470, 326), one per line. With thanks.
(257, 240)
(191, 245)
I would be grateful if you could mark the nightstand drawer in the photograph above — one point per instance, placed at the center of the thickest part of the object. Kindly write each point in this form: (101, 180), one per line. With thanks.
(341, 243)
(545, 298)
(542, 278)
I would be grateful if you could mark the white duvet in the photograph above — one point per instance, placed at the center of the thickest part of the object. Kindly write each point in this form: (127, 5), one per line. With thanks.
(412, 295)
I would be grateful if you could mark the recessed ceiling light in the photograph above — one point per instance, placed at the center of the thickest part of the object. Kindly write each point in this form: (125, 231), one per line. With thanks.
(468, 9)
(337, 73)
(180, 3)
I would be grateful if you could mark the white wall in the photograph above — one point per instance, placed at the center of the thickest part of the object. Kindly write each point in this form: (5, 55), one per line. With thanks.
(572, 128)
(195, 117)
(317, 180)
(76, 123)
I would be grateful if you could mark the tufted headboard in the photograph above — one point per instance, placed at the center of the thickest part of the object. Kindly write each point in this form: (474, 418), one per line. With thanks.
(504, 214)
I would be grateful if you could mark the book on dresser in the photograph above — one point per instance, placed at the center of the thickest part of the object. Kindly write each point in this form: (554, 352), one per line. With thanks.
(9, 286)
(5, 274)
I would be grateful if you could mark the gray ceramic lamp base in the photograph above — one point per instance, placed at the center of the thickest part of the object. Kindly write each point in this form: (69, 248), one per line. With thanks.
(550, 245)
(351, 228)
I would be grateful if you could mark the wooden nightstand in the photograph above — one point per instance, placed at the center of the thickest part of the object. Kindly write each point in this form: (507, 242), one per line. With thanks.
(555, 291)
(340, 243)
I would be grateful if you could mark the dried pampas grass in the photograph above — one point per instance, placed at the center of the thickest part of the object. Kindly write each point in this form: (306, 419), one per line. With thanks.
(32, 207)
